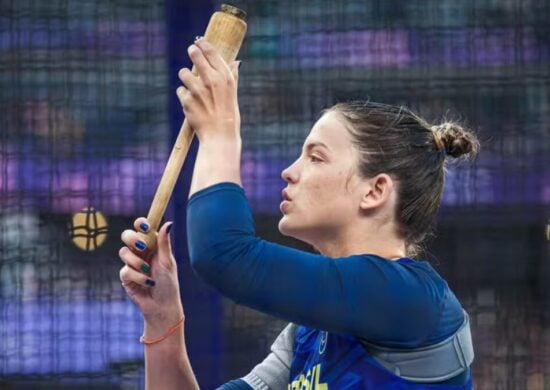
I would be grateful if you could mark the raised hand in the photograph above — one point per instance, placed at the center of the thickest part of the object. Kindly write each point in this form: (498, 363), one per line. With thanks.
(209, 99)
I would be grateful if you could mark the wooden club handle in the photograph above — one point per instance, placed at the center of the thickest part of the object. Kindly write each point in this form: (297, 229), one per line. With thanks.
(225, 31)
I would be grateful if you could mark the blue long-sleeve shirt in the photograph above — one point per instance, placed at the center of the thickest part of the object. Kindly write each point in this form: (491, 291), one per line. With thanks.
(402, 304)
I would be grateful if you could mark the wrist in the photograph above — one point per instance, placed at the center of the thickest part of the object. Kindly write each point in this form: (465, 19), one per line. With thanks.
(217, 137)
(218, 160)
(157, 323)
(148, 339)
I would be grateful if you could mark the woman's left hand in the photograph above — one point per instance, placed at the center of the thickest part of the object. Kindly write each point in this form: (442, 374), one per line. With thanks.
(209, 101)
(153, 284)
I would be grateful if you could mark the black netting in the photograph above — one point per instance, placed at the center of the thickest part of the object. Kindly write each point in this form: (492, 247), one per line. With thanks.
(84, 120)
(83, 114)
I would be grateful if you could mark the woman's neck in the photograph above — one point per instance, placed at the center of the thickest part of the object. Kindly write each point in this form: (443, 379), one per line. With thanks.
(382, 242)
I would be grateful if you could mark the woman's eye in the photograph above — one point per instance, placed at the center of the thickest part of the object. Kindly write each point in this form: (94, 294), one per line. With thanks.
(314, 159)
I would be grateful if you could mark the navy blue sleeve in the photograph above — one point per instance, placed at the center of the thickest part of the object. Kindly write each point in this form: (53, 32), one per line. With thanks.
(237, 384)
(382, 301)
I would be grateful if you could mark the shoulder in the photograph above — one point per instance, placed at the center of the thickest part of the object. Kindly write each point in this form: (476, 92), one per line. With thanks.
(449, 311)
(403, 275)
(406, 299)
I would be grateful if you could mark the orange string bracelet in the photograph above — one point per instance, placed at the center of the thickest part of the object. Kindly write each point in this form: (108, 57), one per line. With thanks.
(143, 340)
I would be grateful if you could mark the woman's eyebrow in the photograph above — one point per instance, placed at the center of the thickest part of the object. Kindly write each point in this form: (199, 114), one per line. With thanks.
(313, 144)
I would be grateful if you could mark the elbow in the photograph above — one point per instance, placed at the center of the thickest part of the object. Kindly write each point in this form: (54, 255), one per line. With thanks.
(224, 265)
(212, 261)
(203, 262)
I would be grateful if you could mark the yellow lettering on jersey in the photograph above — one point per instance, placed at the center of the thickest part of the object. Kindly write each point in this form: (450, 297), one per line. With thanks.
(310, 381)
(316, 384)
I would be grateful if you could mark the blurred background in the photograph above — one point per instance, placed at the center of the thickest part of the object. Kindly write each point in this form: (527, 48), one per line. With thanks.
(88, 115)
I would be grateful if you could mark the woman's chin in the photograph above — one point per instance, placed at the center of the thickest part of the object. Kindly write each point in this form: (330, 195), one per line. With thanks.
(288, 228)
(285, 226)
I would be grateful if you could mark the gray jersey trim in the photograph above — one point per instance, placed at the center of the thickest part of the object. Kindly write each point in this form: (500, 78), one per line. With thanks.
(434, 363)
(273, 373)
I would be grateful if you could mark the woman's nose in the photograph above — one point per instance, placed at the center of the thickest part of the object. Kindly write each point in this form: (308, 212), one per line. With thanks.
(289, 174)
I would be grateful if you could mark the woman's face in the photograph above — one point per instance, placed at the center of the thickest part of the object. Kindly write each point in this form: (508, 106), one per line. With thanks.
(323, 194)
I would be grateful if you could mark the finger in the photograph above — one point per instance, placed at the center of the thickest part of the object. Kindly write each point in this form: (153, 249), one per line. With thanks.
(164, 245)
(189, 80)
(202, 67)
(131, 239)
(142, 225)
(182, 94)
(132, 260)
(129, 275)
(212, 55)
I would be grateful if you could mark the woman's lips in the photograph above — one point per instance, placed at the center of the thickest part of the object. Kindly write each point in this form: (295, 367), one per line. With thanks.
(284, 206)
(285, 195)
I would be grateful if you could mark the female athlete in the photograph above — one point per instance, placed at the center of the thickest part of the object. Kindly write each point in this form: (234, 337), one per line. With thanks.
(364, 313)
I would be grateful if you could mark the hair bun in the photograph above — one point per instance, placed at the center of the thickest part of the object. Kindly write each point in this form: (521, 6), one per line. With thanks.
(456, 140)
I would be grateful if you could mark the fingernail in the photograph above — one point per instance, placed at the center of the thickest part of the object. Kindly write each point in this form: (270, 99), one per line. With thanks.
(141, 245)
(169, 227)
(198, 37)
(145, 268)
(240, 63)
(150, 282)
(144, 227)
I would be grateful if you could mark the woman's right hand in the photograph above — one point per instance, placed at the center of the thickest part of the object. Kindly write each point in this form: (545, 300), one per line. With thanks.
(152, 285)
(209, 99)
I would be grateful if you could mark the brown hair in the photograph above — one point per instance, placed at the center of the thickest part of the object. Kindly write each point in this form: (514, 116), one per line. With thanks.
(396, 141)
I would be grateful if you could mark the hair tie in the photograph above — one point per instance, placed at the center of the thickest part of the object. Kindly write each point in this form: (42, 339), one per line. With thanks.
(438, 141)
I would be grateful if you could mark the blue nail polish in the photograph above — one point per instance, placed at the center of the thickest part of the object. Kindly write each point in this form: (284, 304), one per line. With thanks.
(150, 282)
(144, 227)
(141, 245)
(168, 228)
(240, 63)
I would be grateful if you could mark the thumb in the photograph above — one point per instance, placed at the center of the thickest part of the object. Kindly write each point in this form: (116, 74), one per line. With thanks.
(165, 246)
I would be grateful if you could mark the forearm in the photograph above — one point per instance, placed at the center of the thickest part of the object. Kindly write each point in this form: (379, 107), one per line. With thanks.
(167, 365)
(218, 160)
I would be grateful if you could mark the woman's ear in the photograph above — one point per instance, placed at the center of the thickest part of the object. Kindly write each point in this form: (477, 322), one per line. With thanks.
(377, 192)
